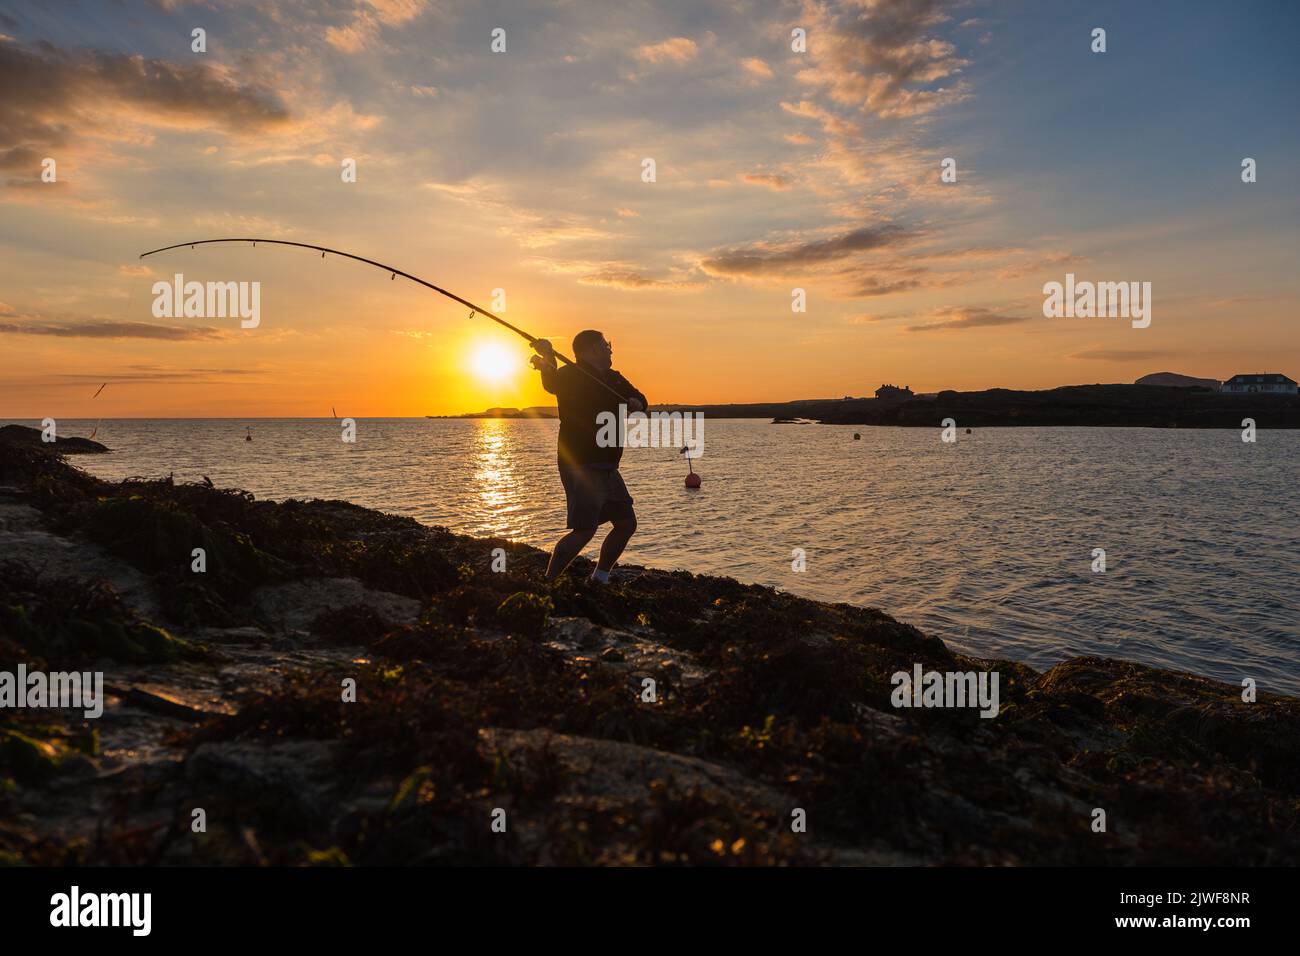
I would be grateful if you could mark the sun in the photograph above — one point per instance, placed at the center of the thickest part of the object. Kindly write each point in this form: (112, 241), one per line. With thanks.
(493, 363)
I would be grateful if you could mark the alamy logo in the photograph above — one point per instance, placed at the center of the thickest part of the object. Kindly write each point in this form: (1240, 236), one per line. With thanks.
(946, 689)
(212, 300)
(58, 689)
(103, 909)
(622, 429)
(1098, 300)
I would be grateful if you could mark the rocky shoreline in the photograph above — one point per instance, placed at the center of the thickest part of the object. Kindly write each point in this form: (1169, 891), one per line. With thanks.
(479, 690)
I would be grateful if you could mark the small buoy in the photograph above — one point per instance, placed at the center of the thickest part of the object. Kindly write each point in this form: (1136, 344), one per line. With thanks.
(857, 437)
(692, 479)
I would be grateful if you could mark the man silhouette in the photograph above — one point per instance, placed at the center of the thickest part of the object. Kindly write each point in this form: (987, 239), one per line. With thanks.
(589, 472)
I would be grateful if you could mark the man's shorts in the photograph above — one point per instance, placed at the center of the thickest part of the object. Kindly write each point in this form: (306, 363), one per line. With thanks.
(595, 495)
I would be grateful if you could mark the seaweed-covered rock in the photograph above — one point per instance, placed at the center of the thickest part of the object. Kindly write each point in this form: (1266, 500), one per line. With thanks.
(666, 718)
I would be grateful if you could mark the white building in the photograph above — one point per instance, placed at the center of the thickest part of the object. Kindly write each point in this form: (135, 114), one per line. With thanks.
(1270, 383)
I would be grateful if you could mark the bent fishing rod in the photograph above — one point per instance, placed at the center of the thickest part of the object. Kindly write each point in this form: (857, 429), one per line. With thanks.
(474, 309)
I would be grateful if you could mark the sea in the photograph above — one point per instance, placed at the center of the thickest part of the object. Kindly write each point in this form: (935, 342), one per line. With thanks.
(993, 543)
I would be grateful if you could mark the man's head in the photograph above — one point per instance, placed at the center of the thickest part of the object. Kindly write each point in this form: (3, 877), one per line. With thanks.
(590, 347)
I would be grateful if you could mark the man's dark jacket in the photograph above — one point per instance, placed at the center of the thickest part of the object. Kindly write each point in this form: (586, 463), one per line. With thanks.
(581, 400)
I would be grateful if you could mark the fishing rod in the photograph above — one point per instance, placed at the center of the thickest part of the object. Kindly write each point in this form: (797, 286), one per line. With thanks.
(474, 309)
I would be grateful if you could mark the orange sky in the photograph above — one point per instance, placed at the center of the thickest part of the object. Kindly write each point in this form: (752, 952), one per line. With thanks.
(522, 171)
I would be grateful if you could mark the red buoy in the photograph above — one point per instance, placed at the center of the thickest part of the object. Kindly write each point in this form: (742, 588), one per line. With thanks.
(692, 479)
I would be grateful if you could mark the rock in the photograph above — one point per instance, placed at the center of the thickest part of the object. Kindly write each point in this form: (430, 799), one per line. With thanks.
(297, 605)
(27, 437)
(284, 778)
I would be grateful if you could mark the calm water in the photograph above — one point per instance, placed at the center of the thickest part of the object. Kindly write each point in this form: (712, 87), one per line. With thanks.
(986, 543)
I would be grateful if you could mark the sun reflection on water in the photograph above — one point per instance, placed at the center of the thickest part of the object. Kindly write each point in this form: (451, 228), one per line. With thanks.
(495, 479)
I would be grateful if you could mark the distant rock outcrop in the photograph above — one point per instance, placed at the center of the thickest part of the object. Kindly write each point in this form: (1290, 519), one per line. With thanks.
(1178, 381)
(1131, 406)
(31, 437)
(533, 411)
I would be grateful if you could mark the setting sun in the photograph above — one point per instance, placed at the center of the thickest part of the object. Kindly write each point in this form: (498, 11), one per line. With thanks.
(492, 362)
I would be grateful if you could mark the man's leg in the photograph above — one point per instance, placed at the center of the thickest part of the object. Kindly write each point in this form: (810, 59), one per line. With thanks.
(568, 548)
(612, 547)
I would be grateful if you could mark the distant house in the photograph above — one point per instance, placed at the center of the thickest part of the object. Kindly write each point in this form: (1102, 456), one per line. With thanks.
(1271, 383)
(893, 393)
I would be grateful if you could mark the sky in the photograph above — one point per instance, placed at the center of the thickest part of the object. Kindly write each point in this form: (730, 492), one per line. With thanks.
(523, 171)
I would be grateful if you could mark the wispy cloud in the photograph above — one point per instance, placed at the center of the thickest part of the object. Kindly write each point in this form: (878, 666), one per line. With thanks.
(967, 317)
(363, 28)
(777, 181)
(108, 329)
(675, 50)
(764, 259)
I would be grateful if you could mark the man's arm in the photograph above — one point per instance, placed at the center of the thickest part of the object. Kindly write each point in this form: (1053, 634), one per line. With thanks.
(632, 394)
(544, 362)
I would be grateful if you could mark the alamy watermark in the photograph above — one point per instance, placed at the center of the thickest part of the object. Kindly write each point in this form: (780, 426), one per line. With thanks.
(623, 429)
(946, 689)
(211, 300)
(35, 689)
(1098, 300)
(74, 908)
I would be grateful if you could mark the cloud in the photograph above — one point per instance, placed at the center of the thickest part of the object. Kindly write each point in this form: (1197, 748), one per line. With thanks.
(20, 157)
(369, 15)
(618, 274)
(760, 260)
(756, 69)
(394, 12)
(92, 329)
(78, 107)
(967, 317)
(873, 286)
(628, 279)
(880, 56)
(831, 123)
(775, 181)
(676, 50)
(53, 98)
